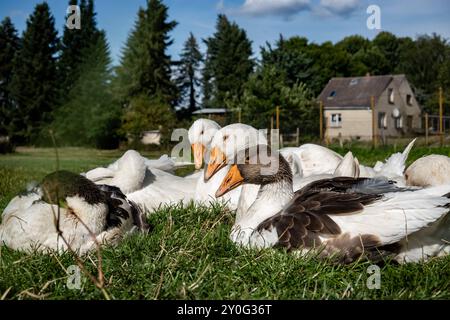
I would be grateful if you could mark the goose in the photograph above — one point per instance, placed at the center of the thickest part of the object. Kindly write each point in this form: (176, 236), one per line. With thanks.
(311, 159)
(88, 214)
(348, 167)
(393, 168)
(149, 188)
(226, 142)
(200, 134)
(342, 218)
(432, 170)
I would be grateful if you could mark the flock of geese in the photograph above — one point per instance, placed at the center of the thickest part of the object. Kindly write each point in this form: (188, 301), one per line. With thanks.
(304, 199)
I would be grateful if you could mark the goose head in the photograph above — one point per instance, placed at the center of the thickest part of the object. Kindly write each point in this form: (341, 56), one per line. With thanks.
(256, 165)
(200, 135)
(227, 142)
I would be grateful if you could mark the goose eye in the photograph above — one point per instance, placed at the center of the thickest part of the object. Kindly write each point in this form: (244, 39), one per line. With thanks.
(201, 132)
(225, 138)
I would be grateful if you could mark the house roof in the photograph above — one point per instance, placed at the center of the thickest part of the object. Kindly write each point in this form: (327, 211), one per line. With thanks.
(210, 111)
(355, 92)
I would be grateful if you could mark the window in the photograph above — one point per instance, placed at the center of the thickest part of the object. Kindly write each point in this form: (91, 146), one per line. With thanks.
(399, 122)
(382, 120)
(409, 122)
(332, 94)
(391, 95)
(409, 100)
(353, 82)
(336, 120)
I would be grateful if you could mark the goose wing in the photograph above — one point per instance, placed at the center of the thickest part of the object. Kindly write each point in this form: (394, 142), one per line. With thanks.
(329, 209)
(307, 216)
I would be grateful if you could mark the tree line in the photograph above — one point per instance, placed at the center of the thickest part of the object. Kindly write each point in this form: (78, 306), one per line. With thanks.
(67, 85)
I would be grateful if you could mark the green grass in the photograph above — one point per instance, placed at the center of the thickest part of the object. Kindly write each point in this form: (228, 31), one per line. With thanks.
(189, 256)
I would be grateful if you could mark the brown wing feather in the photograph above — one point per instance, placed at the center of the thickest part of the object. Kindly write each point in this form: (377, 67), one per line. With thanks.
(306, 217)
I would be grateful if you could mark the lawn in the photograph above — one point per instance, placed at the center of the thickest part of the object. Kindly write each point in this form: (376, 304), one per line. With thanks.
(189, 256)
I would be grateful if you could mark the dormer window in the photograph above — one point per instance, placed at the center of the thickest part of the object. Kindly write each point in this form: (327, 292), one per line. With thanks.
(353, 82)
(332, 94)
(391, 95)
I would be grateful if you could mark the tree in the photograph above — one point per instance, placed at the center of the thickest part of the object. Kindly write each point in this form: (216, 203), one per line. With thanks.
(389, 46)
(145, 67)
(90, 117)
(145, 113)
(423, 62)
(228, 62)
(75, 45)
(291, 59)
(265, 90)
(9, 45)
(188, 79)
(34, 83)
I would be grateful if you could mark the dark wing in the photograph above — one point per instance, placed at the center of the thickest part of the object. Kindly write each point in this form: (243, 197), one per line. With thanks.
(306, 217)
(354, 185)
(121, 209)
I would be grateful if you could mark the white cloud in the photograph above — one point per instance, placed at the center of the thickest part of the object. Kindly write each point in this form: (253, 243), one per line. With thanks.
(340, 7)
(284, 8)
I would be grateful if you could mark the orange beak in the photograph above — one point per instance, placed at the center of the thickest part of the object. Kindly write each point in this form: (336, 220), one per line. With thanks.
(199, 150)
(217, 161)
(232, 180)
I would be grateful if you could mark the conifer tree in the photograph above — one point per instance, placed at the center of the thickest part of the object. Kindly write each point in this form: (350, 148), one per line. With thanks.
(76, 44)
(229, 62)
(34, 82)
(9, 45)
(145, 66)
(188, 72)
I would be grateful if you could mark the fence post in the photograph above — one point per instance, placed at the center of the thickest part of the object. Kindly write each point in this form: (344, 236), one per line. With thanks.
(374, 135)
(441, 117)
(278, 117)
(426, 129)
(297, 139)
(321, 120)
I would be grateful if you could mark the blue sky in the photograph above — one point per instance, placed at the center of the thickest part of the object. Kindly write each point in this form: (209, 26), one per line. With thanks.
(264, 20)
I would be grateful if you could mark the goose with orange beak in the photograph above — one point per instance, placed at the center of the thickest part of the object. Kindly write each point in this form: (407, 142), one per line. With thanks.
(224, 146)
(342, 218)
(200, 136)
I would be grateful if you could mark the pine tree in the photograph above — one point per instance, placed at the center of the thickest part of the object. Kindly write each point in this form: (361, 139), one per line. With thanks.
(34, 83)
(188, 79)
(228, 60)
(75, 45)
(9, 45)
(145, 67)
(90, 117)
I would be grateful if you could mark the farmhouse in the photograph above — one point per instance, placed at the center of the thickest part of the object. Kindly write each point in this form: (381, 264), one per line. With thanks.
(348, 112)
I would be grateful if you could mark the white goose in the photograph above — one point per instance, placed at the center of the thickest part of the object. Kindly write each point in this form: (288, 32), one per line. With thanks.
(226, 142)
(393, 168)
(200, 135)
(311, 159)
(432, 170)
(88, 214)
(348, 167)
(147, 187)
(343, 217)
